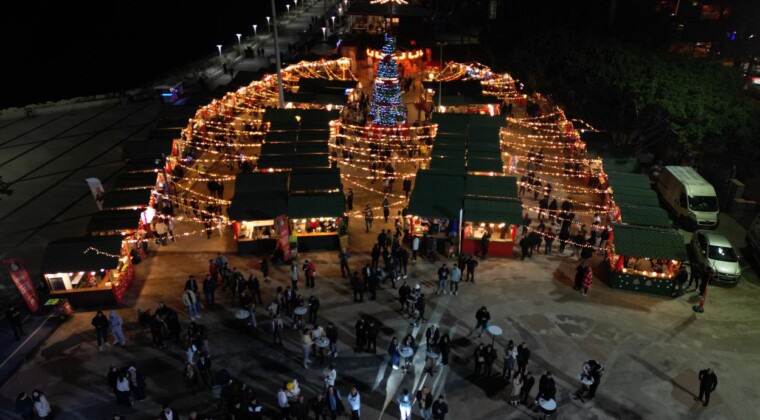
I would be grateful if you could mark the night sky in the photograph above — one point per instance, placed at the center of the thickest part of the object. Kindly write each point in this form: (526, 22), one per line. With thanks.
(58, 50)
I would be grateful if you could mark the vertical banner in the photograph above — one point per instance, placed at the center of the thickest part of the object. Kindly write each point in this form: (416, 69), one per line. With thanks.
(24, 284)
(283, 234)
(97, 191)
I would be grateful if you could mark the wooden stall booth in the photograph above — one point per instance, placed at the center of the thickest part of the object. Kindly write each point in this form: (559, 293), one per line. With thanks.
(260, 197)
(645, 259)
(491, 207)
(435, 207)
(317, 220)
(91, 271)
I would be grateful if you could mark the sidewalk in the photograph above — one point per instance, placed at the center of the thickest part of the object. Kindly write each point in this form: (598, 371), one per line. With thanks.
(13, 353)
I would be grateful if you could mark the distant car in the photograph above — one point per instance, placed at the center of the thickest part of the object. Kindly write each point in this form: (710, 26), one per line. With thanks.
(714, 250)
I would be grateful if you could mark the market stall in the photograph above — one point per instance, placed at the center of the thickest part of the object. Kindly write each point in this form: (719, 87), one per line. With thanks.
(645, 259)
(435, 207)
(260, 198)
(491, 206)
(317, 220)
(92, 271)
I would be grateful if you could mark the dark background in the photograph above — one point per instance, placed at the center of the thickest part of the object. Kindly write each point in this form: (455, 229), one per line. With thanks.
(57, 50)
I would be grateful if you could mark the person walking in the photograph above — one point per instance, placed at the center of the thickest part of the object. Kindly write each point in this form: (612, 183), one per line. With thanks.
(471, 264)
(361, 334)
(310, 269)
(100, 322)
(373, 329)
(368, 217)
(343, 256)
(394, 352)
(510, 355)
(283, 403)
(355, 402)
(443, 275)
(424, 402)
(14, 317)
(306, 343)
(136, 383)
(456, 276)
(588, 279)
(523, 356)
(41, 404)
(386, 208)
(319, 407)
(350, 199)
(444, 346)
(334, 402)
(24, 406)
(708, 381)
(313, 304)
(209, 290)
(527, 386)
(405, 405)
(293, 275)
(330, 375)
(515, 386)
(264, 266)
(358, 287)
(277, 327)
(415, 248)
(190, 300)
(440, 408)
(255, 288)
(116, 323)
(482, 318)
(123, 390)
(548, 241)
(332, 334)
(480, 358)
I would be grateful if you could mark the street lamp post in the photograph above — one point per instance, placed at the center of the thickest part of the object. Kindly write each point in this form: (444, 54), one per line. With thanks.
(278, 60)
(219, 47)
(440, 78)
(324, 33)
(255, 31)
(240, 46)
(333, 23)
(269, 24)
(288, 7)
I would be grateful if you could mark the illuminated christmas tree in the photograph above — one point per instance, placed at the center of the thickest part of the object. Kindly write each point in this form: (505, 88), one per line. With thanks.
(387, 109)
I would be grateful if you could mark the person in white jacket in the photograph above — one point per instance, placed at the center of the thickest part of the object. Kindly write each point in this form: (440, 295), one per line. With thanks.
(190, 299)
(330, 376)
(355, 401)
(116, 323)
(41, 405)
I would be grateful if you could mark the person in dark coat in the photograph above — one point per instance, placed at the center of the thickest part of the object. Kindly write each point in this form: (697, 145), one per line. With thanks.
(372, 331)
(708, 381)
(440, 408)
(527, 386)
(444, 346)
(14, 317)
(523, 356)
(525, 248)
(25, 406)
(580, 271)
(547, 389)
(319, 407)
(358, 287)
(100, 322)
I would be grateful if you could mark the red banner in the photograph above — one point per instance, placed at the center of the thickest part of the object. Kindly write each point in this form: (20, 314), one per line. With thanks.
(24, 284)
(283, 232)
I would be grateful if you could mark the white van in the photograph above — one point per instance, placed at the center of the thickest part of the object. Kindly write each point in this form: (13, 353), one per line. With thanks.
(691, 198)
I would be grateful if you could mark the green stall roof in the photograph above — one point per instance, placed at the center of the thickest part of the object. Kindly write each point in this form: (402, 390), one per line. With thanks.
(127, 199)
(622, 179)
(452, 164)
(642, 242)
(437, 194)
(114, 220)
(485, 165)
(261, 182)
(478, 120)
(311, 160)
(302, 206)
(133, 181)
(281, 135)
(275, 162)
(312, 147)
(315, 134)
(493, 210)
(272, 149)
(71, 255)
(638, 200)
(644, 216)
(478, 153)
(491, 186)
(311, 180)
(265, 206)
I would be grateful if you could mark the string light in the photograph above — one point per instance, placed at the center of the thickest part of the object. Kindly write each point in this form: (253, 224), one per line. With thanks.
(99, 252)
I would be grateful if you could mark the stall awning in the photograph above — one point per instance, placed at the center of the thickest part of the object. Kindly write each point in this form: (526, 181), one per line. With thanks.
(134, 181)
(311, 135)
(315, 160)
(507, 211)
(491, 186)
(270, 149)
(640, 200)
(644, 216)
(452, 123)
(312, 147)
(69, 256)
(312, 180)
(114, 220)
(261, 182)
(304, 206)
(641, 242)
(622, 179)
(477, 120)
(451, 164)
(281, 135)
(258, 206)
(127, 199)
(485, 165)
(437, 194)
(275, 162)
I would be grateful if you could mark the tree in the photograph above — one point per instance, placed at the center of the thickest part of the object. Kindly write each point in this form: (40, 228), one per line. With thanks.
(386, 108)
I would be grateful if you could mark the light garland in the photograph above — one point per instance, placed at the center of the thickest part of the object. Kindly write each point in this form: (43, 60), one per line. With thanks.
(99, 252)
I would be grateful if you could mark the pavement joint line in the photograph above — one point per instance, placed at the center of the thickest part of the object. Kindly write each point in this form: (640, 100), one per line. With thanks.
(85, 195)
(7, 359)
(66, 137)
(84, 165)
(31, 129)
(87, 139)
(56, 136)
(54, 223)
(12, 122)
(69, 170)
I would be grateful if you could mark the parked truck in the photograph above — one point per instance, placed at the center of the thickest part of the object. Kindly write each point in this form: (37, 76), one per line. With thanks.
(690, 197)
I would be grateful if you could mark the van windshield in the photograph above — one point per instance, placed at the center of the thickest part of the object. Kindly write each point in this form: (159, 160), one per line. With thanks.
(703, 203)
(721, 253)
